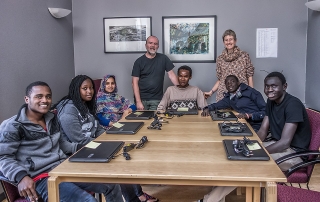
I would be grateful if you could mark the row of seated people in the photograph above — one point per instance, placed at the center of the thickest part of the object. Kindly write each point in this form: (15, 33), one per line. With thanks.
(35, 141)
(283, 115)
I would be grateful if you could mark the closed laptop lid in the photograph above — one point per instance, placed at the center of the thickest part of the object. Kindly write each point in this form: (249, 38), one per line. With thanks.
(223, 116)
(183, 111)
(234, 129)
(125, 128)
(97, 152)
(257, 151)
(140, 115)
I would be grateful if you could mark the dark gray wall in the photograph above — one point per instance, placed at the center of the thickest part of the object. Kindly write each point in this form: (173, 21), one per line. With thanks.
(243, 16)
(313, 61)
(33, 46)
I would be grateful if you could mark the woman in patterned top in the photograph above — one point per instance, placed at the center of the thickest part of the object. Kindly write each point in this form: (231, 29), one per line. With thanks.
(110, 105)
(232, 61)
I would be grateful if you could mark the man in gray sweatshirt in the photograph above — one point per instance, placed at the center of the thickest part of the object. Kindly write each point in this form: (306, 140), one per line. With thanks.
(31, 146)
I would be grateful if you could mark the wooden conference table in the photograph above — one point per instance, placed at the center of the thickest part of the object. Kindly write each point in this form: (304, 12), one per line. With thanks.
(187, 151)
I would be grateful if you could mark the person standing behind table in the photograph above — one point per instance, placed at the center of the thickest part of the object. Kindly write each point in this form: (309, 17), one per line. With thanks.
(287, 119)
(232, 61)
(148, 75)
(111, 106)
(31, 146)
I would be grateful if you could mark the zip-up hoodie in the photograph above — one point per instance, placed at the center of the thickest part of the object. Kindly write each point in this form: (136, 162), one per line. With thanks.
(76, 128)
(27, 149)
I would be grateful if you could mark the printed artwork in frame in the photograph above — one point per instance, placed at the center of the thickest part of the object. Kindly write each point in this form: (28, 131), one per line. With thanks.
(126, 34)
(188, 39)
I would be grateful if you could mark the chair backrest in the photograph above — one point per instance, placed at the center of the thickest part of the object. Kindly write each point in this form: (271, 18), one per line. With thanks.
(12, 193)
(314, 119)
(97, 83)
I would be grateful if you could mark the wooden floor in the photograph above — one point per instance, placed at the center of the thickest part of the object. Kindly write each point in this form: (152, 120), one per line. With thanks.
(191, 194)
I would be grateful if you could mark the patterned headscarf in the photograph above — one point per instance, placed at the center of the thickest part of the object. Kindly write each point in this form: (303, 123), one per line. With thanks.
(111, 105)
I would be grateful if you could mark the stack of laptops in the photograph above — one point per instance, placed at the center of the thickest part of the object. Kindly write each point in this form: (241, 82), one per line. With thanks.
(140, 115)
(128, 128)
(97, 152)
(223, 116)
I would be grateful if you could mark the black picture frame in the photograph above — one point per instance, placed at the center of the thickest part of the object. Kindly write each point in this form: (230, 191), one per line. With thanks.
(190, 39)
(126, 34)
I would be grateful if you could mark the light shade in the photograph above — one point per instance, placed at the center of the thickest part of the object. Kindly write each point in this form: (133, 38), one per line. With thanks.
(59, 12)
(314, 5)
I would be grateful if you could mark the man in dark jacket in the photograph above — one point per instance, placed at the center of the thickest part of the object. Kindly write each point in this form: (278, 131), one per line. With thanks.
(31, 146)
(243, 99)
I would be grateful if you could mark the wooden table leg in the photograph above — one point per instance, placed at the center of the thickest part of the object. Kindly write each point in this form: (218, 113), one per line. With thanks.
(271, 192)
(256, 194)
(53, 189)
(249, 194)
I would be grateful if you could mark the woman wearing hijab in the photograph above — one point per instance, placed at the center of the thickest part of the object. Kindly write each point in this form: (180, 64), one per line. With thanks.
(111, 107)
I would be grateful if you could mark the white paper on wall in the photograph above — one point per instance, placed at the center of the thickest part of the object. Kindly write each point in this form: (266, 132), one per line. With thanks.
(267, 43)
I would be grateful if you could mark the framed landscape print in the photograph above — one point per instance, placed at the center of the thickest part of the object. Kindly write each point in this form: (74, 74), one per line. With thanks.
(188, 39)
(126, 34)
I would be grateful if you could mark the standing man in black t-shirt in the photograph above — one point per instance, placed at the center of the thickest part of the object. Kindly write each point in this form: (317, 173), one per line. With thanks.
(148, 75)
(287, 119)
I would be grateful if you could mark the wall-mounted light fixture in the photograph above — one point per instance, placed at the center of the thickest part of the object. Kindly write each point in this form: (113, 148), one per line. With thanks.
(59, 12)
(314, 5)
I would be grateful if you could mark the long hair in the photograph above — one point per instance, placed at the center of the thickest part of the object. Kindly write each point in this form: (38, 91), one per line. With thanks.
(74, 95)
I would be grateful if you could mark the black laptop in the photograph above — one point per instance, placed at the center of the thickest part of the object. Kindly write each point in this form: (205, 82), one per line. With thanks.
(97, 152)
(140, 115)
(182, 111)
(223, 116)
(257, 151)
(128, 128)
(234, 129)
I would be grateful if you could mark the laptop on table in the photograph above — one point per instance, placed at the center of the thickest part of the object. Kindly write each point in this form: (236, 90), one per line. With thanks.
(257, 151)
(182, 111)
(223, 116)
(97, 152)
(234, 129)
(140, 115)
(128, 128)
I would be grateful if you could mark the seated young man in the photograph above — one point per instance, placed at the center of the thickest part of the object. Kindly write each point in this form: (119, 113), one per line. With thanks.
(287, 119)
(243, 99)
(182, 95)
(31, 146)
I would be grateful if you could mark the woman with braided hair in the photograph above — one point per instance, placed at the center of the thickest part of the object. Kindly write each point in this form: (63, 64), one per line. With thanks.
(79, 123)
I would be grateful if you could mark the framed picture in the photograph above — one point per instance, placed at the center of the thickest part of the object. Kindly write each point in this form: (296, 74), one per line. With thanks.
(188, 39)
(126, 34)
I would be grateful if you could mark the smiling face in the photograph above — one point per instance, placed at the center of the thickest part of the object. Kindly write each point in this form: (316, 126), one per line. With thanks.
(39, 100)
(232, 84)
(183, 78)
(86, 90)
(274, 89)
(229, 42)
(152, 46)
(110, 85)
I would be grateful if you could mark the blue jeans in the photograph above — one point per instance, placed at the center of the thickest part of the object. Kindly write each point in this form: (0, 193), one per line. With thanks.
(75, 192)
(131, 192)
(150, 104)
